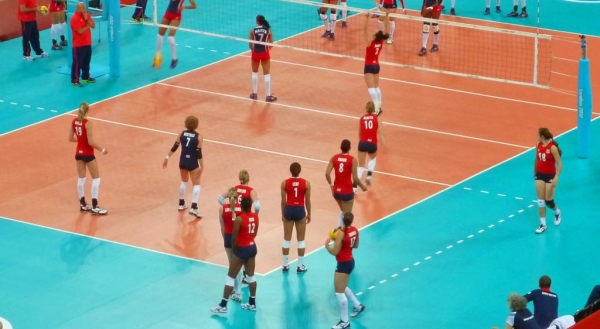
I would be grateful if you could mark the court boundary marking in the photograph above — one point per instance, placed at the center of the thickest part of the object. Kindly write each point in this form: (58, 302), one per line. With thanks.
(342, 115)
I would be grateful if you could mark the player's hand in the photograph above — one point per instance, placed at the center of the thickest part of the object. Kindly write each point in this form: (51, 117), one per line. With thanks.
(308, 219)
(165, 162)
(429, 8)
(104, 151)
(554, 182)
(327, 242)
(363, 188)
(404, 11)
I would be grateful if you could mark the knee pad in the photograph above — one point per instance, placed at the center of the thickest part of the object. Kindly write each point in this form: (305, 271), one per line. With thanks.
(426, 27)
(250, 279)
(257, 206)
(541, 203)
(301, 244)
(221, 200)
(286, 244)
(229, 281)
(550, 204)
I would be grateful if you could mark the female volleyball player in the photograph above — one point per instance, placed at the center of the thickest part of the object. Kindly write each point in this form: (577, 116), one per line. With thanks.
(345, 240)
(191, 163)
(374, 47)
(57, 13)
(295, 195)
(226, 216)
(547, 168)
(431, 9)
(244, 252)
(345, 167)
(329, 26)
(390, 6)
(81, 132)
(368, 133)
(243, 191)
(261, 56)
(171, 18)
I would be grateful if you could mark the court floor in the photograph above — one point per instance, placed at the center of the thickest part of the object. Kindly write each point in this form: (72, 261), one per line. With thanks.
(447, 230)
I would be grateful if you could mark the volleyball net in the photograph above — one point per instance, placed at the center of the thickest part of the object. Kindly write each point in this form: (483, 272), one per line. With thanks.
(467, 50)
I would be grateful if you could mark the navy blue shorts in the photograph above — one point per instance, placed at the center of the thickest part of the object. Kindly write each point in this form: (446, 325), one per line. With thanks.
(188, 165)
(294, 213)
(227, 240)
(370, 148)
(343, 197)
(547, 178)
(245, 253)
(85, 158)
(390, 6)
(345, 267)
(373, 69)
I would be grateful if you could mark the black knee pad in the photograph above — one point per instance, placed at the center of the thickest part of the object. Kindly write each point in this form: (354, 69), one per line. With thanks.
(550, 204)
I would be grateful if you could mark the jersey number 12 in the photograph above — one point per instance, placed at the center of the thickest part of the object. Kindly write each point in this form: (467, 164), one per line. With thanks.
(251, 227)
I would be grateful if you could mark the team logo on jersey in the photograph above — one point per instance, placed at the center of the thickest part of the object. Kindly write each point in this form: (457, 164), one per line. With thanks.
(548, 151)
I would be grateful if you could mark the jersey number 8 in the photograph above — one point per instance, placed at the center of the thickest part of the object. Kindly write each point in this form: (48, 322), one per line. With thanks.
(341, 168)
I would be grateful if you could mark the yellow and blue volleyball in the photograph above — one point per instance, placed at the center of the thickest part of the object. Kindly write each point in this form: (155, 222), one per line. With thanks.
(157, 61)
(333, 233)
(44, 10)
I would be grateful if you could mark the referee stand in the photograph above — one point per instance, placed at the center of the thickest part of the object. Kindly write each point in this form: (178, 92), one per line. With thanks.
(584, 104)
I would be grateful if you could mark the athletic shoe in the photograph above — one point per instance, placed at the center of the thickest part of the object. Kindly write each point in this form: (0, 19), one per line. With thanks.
(423, 51)
(43, 55)
(85, 207)
(326, 34)
(487, 11)
(344, 24)
(379, 111)
(236, 297)
(390, 40)
(254, 96)
(368, 180)
(219, 310)
(513, 14)
(137, 20)
(557, 219)
(64, 43)
(357, 310)
(452, 11)
(524, 14)
(498, 10)
(146, 18)
(76, 84)
(99, 211)
(182, 207)
(271, 99)
(28, 58)
(285, 269)
(541, 229)
(56, 46)
(434, 48)
(249, 307)
(195, 212)
(89, 80)
(301, 269)
(174, 63)
(341, 325)
(331, 36)
(375, 16)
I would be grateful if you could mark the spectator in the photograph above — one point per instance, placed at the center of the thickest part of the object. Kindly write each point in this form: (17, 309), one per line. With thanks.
(594, 296)
(81, 25)
(545, 302)
(520, 317)
(139, 14)
(29, 27)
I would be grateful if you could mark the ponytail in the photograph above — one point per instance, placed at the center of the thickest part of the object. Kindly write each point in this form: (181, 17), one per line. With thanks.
(557, 147)
(82, 111)
(232, 196)
(263, 21)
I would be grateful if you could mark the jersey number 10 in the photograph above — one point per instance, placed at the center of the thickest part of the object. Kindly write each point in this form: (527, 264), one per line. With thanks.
(368, 124)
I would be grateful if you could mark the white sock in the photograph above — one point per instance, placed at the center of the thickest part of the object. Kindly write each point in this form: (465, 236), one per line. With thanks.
(325, 21)
(436, 34)
(350, 295)
(371, 164)
(53, 31)
(300, 261)
(488, 3)
(341, 219)
(523, 3)
(80, 184)
(453, 3)
(286, 260)
(255, 82)
(374, 96)
(425, 34)
(379, 100)
(95, 187)
(343, 301)
(543, 221)
(515, 2)
(380, 25)
(196, 194)
(497, 3)
(333, 20)
(268, 84)
(173, 47)
(361, 171)
(182, 188)
(556, 210)
(61, 28)
(237, 283)
(392, 28)
(344, 12)
(159, 42)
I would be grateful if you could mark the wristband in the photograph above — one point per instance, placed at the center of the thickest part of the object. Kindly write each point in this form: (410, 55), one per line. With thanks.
(167, 157)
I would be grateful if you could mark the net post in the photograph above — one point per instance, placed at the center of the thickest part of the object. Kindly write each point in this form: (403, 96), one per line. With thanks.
(114, 36)
(536, 50)
(584, 103)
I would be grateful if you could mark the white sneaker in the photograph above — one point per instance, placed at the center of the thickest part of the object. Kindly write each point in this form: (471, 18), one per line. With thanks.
(541, 229)
(249, 307)
(99, 211)
(43, 55)
(182, 207)
(369, 179)
(235, 297)
(341, 325)
(557, 219)
(390, 40)
(28, 58)
(195, 212)
(357, 310)
(219, 310)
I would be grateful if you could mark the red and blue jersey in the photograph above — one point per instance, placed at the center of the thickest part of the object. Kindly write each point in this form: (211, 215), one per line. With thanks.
(83, 146)
(247, 230)
(372, 53)
(228, 217)
(545, 306)
(545, 159)
(348, 243)
(189, 141)
(295, 189)
(175, 6)
(261, 34)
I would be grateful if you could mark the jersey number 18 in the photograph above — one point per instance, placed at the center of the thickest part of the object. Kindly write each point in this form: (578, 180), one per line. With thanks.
(542, 156)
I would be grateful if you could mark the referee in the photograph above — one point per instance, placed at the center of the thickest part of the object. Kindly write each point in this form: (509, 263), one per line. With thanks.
(81, 25)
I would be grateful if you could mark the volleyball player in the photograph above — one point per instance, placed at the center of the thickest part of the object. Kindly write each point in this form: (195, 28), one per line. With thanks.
(488, 3)
(368, 133)
(343, 3)
(191, 163)
(329, 26)
(244, 252)
(345, 241)
(431, 9)
(171, 18)
(390, 6)
(372, 68)
(515, 12)
(547, 168)
(226, 217)
(260, 56)
(244, 191)
(345, 167)
(81, 132)
(295, 195)
(57, 14)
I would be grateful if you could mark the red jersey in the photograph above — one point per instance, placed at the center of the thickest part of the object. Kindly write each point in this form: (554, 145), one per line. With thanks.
(342, 165)
(83, 146)
(545, 159)
(350, 238)
(295, 188)
(243, 191)
(28, 16)
(247, 230)
(372, 54)
(368, 128)
(228, 217)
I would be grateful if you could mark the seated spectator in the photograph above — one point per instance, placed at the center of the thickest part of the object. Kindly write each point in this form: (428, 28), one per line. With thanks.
(520, 317)
(545, 303)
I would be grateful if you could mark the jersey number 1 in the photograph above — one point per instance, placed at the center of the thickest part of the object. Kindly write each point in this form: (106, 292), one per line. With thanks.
(295, 192)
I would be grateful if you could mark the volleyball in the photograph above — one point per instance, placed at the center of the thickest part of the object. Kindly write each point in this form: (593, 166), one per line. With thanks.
(157, 61)
(44, 10)
(333, 233)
